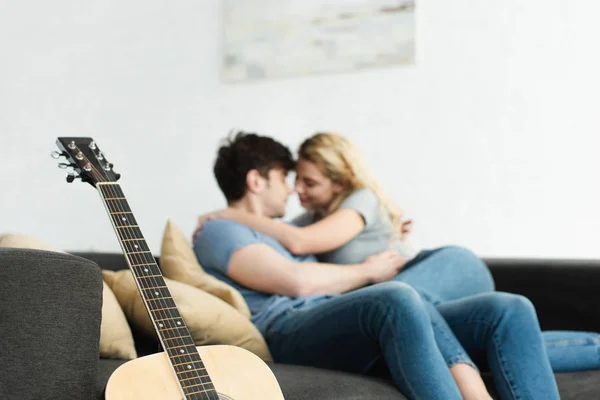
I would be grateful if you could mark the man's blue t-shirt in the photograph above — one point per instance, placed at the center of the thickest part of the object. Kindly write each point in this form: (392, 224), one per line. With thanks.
(215, 244)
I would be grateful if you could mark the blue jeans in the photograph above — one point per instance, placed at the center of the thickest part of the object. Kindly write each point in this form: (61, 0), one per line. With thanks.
(451, 273)
(352, 331)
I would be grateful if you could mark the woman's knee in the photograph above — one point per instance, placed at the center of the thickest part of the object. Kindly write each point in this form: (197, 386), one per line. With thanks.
(470, 265)
(509, 304)
(461, 253)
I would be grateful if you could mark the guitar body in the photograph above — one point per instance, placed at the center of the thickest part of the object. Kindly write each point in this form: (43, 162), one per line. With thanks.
(236, 373)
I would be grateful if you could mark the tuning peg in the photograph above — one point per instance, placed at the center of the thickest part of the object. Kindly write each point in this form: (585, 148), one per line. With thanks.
(117, 176)
(56, 155)
(65, 165)
(71, 176)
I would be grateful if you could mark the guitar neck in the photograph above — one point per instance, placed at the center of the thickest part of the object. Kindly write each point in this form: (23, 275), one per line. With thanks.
(168, 323)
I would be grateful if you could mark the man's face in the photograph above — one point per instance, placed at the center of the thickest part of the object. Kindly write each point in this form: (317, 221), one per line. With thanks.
(276, 193)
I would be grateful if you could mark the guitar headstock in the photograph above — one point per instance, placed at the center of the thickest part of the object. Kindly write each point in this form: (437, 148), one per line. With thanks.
(88, 163)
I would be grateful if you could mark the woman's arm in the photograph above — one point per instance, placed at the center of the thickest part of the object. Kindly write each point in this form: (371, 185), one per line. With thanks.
(331, 232)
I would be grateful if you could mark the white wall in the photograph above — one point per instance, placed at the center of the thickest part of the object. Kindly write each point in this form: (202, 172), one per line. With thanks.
(489, 141)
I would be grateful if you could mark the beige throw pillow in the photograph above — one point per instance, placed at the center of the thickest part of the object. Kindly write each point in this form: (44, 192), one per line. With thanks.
(22, 241)
(116, 340)
(178, 262)
(209, 319)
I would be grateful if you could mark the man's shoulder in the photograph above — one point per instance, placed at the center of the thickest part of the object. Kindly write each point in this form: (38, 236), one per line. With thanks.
(214, 226)
(218, 239)
(224, 232)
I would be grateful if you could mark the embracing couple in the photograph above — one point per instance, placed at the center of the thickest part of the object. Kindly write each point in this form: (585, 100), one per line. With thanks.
(338, 288)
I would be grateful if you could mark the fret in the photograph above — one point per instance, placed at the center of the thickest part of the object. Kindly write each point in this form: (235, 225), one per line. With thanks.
(174, 351)
(158, 291)
(123, 218)
(180, 360)
(185, 346)
(187, 362)
(144, 262)
(172, 322)
(143, 265)
(148, 276)
(125, 235)
(139, 252)
(141, 271)
(151, 282)
(131, 245)
(166, 309)
(187, 370)
(166, 298)
(127, 226)
(189, 379)
(156, 310)
(189, 339)
(168, 319)
(198, 388)
(200, 391)
(166, 301)
(179, 331)
(170, 326)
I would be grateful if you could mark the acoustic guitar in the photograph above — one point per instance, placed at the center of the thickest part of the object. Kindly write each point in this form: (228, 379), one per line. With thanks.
(182, 371)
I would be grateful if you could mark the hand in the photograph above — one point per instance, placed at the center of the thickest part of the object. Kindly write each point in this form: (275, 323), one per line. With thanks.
(207, 217)
(384, 266)
(406, 227)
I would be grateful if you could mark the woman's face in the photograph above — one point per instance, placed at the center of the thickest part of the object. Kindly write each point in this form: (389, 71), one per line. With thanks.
(315, 190)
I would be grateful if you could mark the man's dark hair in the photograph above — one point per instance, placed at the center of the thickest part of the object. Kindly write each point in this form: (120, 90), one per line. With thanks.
(243, 152)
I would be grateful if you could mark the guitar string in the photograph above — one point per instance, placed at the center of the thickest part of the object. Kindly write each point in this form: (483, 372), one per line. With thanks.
(211, 393)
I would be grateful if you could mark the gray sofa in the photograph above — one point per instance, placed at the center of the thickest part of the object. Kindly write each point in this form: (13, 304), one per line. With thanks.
(50, 309)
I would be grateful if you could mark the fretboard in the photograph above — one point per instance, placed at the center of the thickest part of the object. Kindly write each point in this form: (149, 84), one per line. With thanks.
(168, 323)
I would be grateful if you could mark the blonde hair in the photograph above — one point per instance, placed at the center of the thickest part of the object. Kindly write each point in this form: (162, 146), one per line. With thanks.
(341, 161)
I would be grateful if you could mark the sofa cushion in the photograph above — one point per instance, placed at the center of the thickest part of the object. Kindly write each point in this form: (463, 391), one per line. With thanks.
(307, 383)
(178, 262)
(209, 319)
(116, 340)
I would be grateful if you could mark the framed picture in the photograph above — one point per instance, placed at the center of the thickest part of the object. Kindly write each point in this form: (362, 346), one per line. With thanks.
(284, 38)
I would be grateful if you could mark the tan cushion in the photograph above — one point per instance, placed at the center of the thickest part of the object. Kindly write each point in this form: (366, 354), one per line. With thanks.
(209, 319)
(116, 340)
(22, 241)
(178, 262)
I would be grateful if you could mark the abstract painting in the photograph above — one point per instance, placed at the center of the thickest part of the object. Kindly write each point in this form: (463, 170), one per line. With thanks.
(285, 38)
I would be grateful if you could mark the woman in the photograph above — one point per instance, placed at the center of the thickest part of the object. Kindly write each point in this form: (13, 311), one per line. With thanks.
(349, 218)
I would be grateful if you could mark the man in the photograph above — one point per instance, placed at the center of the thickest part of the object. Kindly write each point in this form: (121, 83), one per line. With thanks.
(348, 317)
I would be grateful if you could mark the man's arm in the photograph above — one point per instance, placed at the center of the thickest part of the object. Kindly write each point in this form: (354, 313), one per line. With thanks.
(261, 268)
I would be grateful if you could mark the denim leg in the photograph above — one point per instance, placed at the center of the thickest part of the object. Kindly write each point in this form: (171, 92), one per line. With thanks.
(450, 348)
(505, 328)
(570, 351)
(447, 273)
(351, 331)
